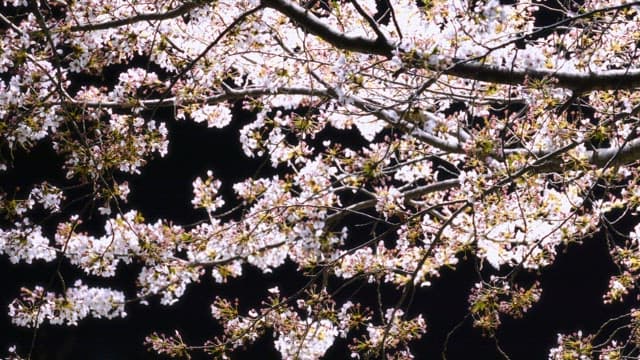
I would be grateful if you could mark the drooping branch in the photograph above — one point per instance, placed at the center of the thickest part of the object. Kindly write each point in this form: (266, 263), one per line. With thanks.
(314, 25)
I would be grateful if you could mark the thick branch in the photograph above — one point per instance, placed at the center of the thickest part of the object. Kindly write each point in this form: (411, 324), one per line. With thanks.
(611, 156)
(314, 25)
(579, 81)
(630, 152)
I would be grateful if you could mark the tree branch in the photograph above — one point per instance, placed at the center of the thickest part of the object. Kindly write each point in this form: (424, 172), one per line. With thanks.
(408, 195)
(630, 152)
(577, 81)
(314, 25)
(229, 94)
(372, 23)
(464, 68)
(165, 15)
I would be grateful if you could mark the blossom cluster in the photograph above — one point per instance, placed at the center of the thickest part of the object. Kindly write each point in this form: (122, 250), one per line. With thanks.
(78, 302)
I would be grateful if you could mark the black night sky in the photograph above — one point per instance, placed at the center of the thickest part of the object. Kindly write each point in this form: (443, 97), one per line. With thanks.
(571, 299)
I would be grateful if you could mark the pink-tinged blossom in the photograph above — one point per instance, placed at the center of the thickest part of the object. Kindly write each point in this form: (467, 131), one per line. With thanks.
(133, 81)
(48, 196)
(205, 193)
(13, 354)
(216, 116)
(369, 126)
(25, 242)
(170, 281)
(308, 340)
(397, 332)
(122, 242)
(390, 201)
(572, 346)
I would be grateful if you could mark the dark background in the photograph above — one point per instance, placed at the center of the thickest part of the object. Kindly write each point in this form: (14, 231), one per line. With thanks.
(571, 298)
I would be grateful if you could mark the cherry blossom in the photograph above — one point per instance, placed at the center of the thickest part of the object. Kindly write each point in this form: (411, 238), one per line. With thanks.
(397, 138)
(35, 306)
